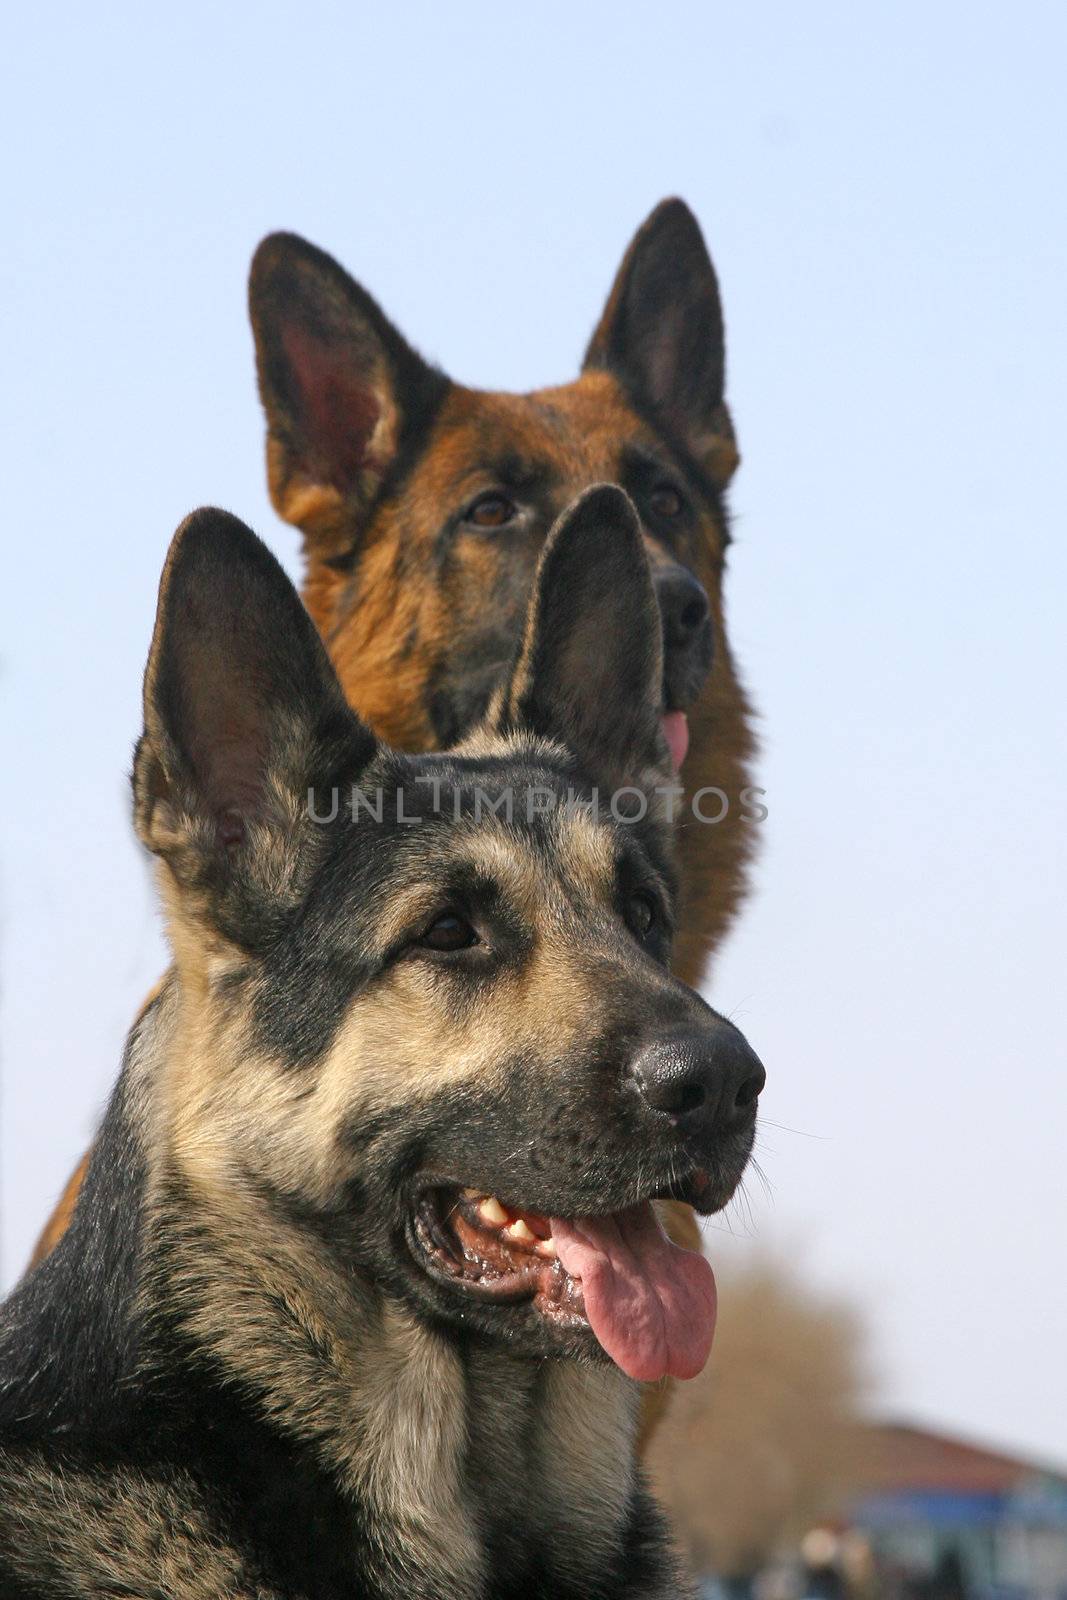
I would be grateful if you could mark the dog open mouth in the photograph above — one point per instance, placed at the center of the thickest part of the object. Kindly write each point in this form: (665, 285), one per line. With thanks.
(650, 1304)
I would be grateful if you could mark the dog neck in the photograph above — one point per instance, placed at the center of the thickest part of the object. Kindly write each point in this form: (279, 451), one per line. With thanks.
(550, 1462)
(463, 1460)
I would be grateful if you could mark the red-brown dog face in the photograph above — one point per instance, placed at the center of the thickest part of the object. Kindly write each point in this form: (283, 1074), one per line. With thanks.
(424, 505)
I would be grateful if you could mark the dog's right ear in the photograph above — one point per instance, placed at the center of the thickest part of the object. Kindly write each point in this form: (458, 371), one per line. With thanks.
(243, 715)
(589, 669)
(341, 387)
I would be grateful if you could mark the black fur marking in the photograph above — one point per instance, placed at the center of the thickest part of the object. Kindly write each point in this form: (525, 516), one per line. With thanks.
(662, 332)
(69, 1337)
(711, 493)
(590, 668)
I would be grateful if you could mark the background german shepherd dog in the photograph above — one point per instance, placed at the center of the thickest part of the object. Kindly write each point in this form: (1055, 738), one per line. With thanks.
(424, 506)
(366, 1259)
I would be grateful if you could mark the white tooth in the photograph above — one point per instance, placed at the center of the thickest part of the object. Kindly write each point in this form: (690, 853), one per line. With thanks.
(546, 1247)
(520, 1232)
(492, 1211)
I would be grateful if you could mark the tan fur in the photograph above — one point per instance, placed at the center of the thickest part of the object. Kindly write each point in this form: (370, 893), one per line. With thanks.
(588, 1430)
(106, 1534)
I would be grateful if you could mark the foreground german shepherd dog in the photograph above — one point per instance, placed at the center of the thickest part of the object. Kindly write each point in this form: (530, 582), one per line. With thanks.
(366, 1252)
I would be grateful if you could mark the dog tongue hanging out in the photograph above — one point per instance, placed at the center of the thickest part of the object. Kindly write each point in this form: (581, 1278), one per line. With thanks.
(676, 733)
(650, 1303)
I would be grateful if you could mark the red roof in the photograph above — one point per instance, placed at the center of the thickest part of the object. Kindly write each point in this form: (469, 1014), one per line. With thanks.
(898, 1458)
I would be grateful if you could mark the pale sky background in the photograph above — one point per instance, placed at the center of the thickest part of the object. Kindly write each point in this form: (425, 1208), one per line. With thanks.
(882, 188)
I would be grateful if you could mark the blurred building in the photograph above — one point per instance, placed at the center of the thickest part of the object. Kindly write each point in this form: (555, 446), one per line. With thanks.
(944, 1518)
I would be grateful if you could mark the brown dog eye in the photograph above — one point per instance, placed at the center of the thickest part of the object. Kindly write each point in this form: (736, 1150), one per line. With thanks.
(449, 932)
(491, 511)
(641, 914)
(666, 502)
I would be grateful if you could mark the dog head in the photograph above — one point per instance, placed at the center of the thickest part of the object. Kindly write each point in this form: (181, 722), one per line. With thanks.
(424, 505)
(426, 1012)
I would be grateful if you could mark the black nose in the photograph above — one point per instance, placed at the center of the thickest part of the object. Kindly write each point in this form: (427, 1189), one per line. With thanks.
(707, 1083)
(683, 605)
(688, 636)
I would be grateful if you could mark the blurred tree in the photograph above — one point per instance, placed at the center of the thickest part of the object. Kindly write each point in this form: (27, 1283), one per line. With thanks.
(765, 1441)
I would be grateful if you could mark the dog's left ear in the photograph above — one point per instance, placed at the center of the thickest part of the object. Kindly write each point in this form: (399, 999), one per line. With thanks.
(662, 335)
(243, 715)
(589, 670)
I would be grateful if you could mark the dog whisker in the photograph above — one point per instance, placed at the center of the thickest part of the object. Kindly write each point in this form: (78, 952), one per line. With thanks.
(801, 1133)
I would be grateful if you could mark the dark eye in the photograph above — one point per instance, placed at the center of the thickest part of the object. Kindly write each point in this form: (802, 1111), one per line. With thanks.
(449, 931)
(666, 501)
(491, 510)
(641, 914)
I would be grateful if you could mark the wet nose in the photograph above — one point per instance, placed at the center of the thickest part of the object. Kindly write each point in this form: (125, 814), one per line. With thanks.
(683, 606)
(707, 1084)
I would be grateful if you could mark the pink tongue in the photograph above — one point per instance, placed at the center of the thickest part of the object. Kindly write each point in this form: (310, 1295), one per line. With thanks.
(651, 1305)
(676, 733)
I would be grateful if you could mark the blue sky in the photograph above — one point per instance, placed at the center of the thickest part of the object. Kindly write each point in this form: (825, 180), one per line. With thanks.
(882, 191)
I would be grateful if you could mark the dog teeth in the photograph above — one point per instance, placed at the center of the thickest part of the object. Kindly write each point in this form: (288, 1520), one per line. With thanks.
(494, 1215)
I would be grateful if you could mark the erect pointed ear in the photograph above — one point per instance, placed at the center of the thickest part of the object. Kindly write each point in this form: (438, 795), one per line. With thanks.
(662, 335)
(589, 671)
(243, 715)
(341, 388)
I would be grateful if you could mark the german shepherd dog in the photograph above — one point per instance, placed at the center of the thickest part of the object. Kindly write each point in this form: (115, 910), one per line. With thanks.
(366, 1262)
(424, 506)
